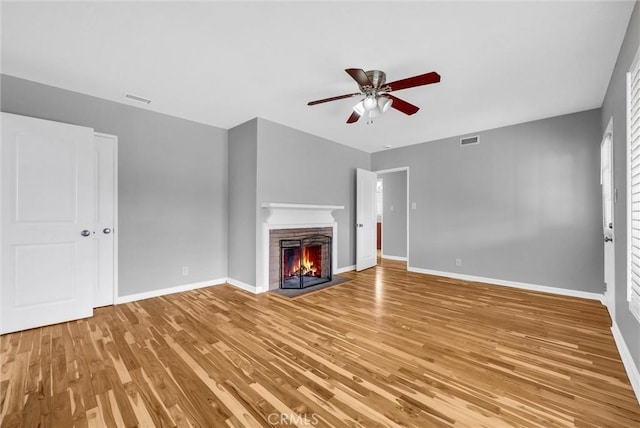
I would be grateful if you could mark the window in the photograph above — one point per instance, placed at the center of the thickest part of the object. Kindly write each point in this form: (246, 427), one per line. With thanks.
(633, 198)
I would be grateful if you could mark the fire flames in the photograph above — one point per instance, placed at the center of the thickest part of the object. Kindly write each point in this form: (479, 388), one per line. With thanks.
(306, 266)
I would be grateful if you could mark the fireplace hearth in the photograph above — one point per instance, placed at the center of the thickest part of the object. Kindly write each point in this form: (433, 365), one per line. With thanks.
(305, 262)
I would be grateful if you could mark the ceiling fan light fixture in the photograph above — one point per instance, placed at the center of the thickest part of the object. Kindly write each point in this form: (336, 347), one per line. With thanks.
(359, 108)
(377, 100)
(370, 103)
(384, 104)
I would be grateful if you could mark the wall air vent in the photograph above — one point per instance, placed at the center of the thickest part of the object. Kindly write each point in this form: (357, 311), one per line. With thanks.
(137, 98)
(467, 141)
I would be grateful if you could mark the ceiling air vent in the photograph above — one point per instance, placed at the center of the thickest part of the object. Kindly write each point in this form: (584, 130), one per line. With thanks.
(137, 98)
(467, 141)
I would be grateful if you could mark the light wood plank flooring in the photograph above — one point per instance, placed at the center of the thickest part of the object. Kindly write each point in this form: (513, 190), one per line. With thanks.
(388, 348)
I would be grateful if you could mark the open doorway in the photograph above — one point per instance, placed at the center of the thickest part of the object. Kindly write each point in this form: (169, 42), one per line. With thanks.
(379, 205)
(392, 196)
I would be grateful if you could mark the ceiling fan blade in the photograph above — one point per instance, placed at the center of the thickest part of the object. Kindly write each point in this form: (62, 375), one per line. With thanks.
(403, 106)
(353, 118)
(326, 100)
(359, 76)
(412, 82)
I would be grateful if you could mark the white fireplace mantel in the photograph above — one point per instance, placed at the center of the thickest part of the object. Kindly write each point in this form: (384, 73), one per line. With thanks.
(297, 214)
(291, 216)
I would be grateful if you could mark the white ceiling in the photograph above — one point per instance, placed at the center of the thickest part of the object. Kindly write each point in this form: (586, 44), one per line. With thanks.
(223, 63)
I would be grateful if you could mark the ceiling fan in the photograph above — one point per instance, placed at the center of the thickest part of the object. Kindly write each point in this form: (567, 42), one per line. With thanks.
(375, 90)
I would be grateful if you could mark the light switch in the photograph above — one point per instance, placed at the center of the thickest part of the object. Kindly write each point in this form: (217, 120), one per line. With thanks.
(392, 208)
(413, 206)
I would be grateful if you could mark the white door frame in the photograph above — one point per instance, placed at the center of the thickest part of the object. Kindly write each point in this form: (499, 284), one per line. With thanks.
(116, 230)
(381, 217)
(384, 171)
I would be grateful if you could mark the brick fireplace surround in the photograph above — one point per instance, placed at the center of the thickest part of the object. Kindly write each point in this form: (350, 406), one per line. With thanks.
(276, 235)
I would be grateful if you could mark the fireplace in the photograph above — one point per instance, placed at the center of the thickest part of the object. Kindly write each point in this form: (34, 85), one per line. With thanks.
(294, 222)
(293, 236)
(305, 262)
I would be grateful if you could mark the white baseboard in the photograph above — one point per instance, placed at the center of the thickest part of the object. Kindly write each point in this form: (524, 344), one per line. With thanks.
(627, 360)
(402, 259)
(164, 291)
(242, 285)
(522, 285)
(345, 269)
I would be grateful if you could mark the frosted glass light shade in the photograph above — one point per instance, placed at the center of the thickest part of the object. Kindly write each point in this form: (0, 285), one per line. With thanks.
(359, 108)
(384, 104)
(370, 103)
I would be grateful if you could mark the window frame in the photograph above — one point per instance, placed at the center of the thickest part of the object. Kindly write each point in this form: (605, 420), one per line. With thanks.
(634, 72)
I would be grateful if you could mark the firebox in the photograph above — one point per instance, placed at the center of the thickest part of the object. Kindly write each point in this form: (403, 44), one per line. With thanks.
(305, 262)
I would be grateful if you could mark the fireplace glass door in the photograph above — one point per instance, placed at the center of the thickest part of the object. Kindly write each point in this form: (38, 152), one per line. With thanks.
(305, 262)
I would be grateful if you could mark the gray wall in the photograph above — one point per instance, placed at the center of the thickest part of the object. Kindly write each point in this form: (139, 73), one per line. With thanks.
(615, 106)
(523, 205)
(394, 222)
(243, 161)
(172, 184)
(296, 167)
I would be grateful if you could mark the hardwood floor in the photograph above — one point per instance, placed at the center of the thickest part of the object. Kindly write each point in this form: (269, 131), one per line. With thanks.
(388, 348)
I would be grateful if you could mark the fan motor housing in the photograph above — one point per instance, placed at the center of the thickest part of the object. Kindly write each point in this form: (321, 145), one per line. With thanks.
(377, 77)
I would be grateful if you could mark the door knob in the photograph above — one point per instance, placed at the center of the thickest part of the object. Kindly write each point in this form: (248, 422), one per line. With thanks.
(85, 233)
(359, 225)
(106, 231)
(608, 239)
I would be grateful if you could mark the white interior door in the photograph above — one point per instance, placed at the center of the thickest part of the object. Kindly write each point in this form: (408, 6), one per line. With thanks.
(366, 254)
(104, 238)
(606, 180)
(47, 222)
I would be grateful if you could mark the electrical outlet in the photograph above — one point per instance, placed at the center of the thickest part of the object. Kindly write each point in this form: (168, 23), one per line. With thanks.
(185, 270)
(458, 262)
